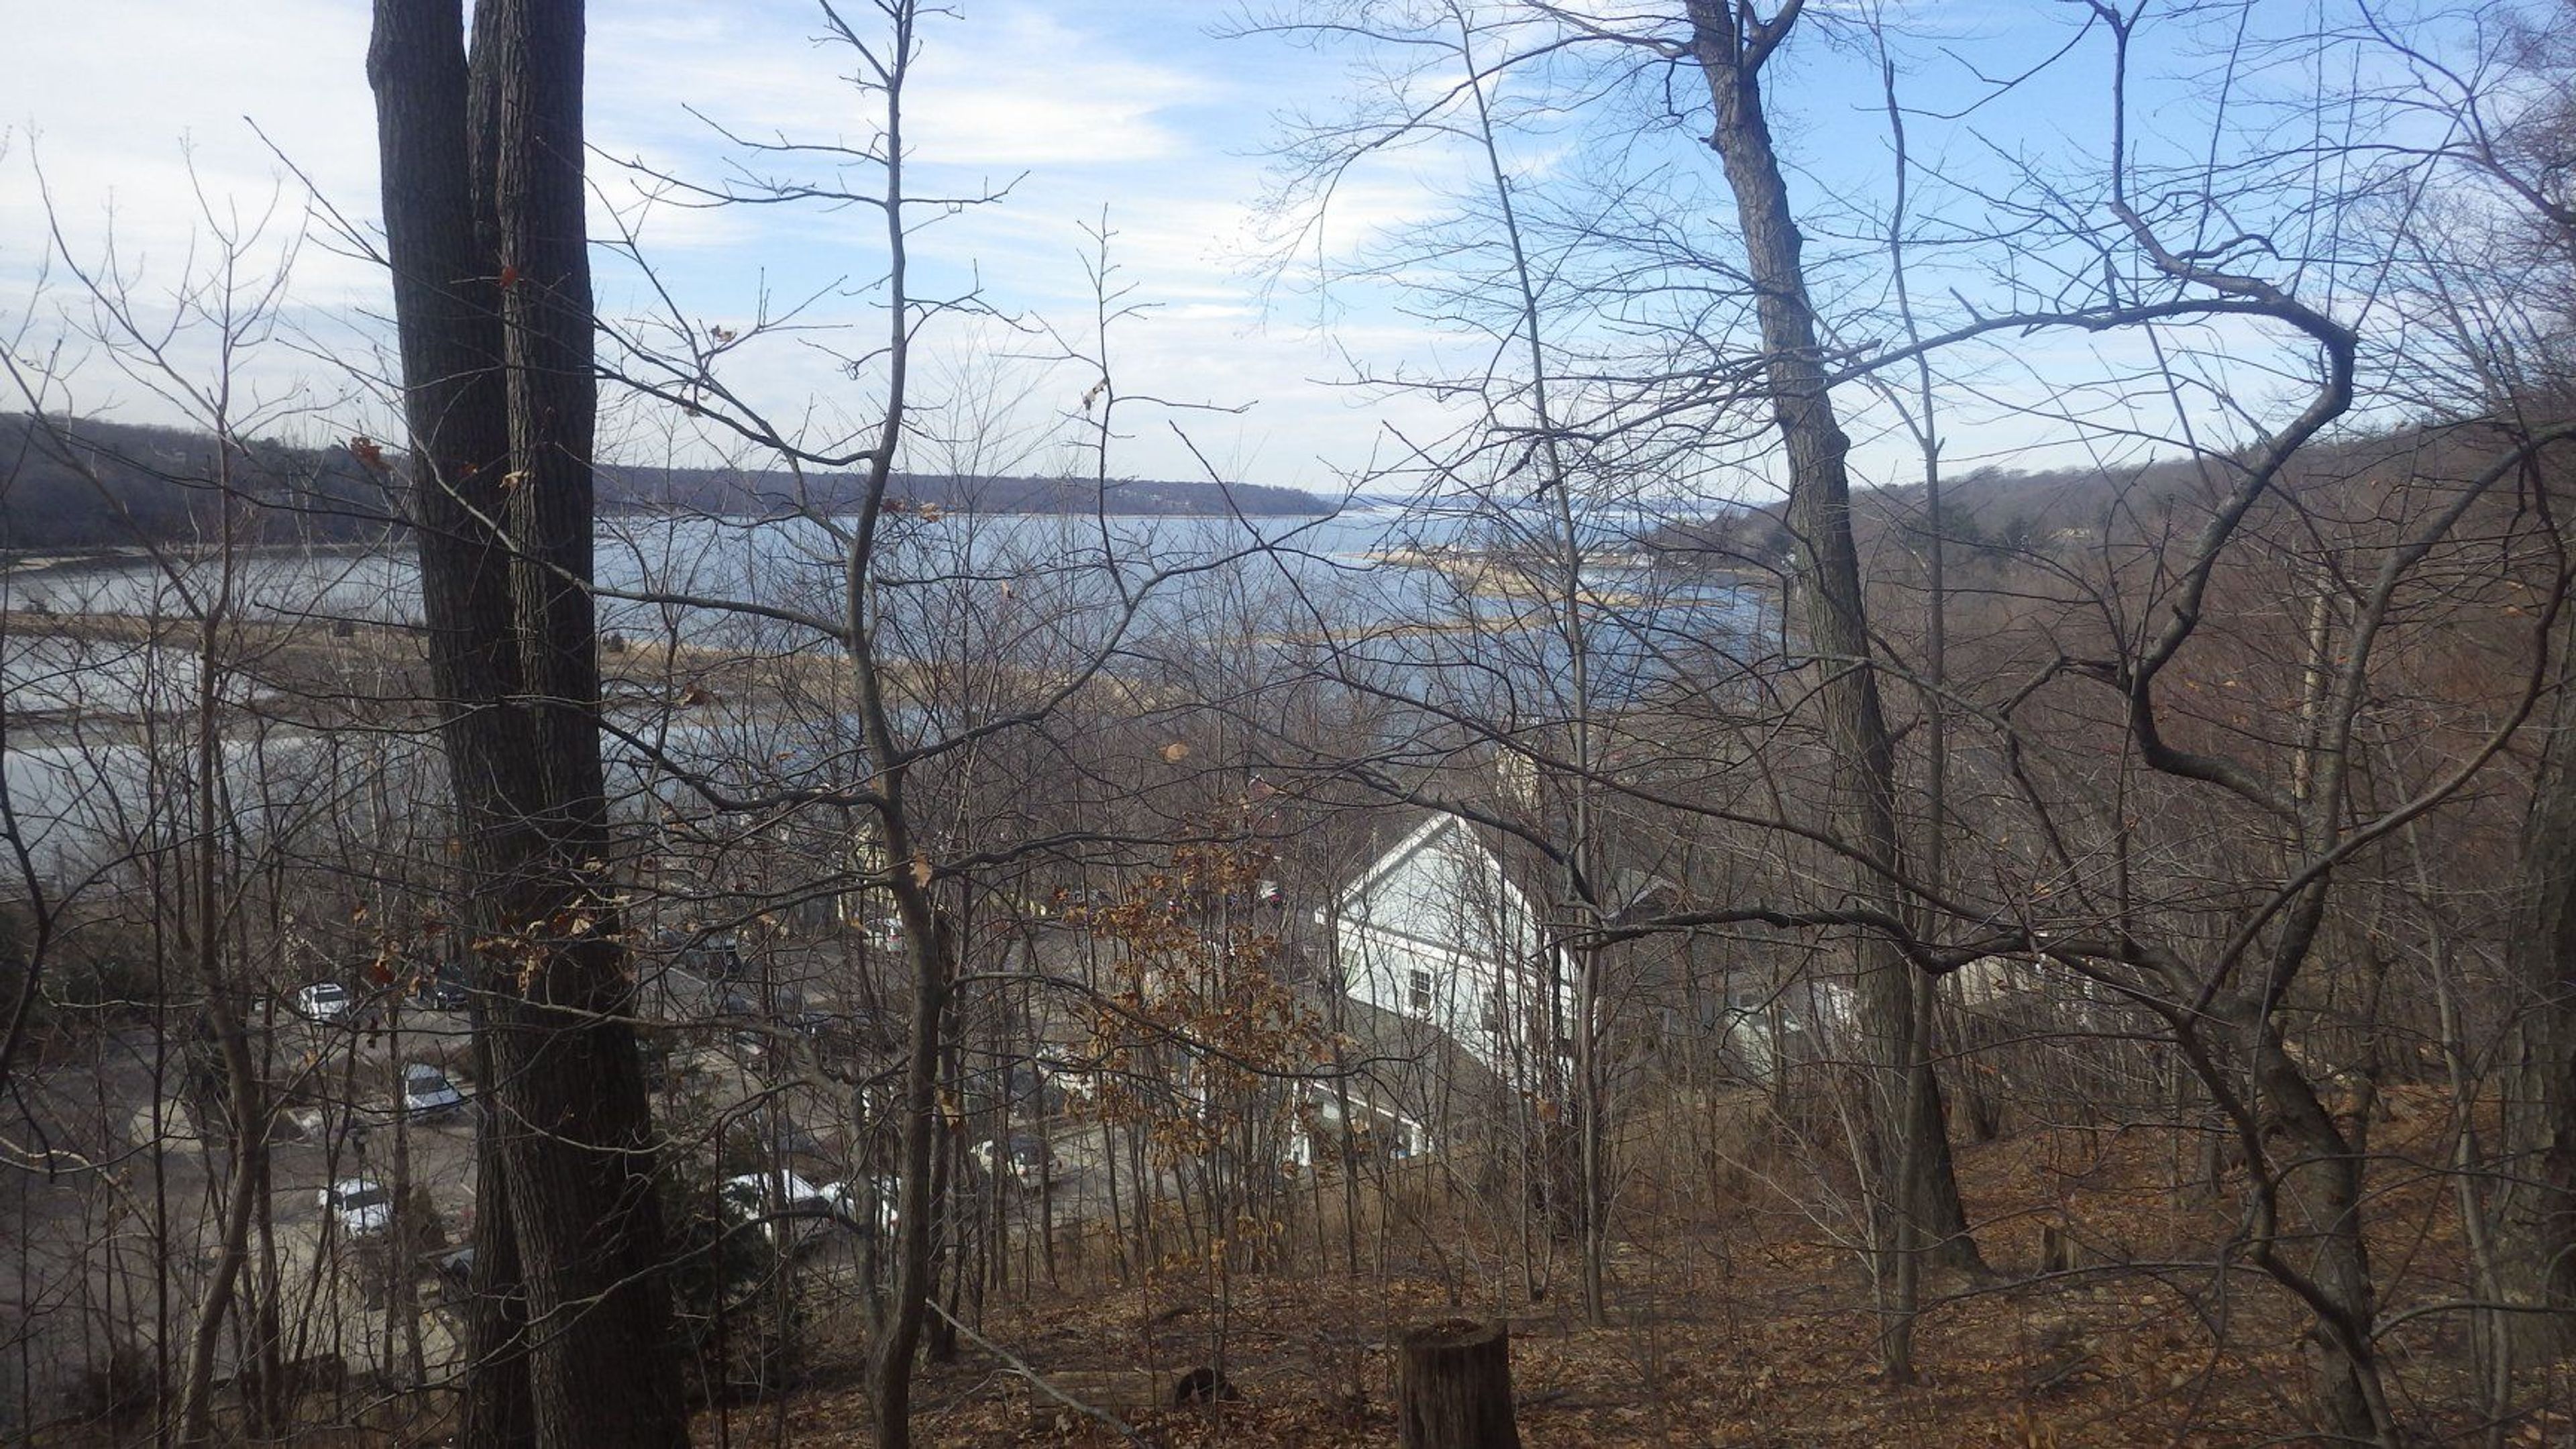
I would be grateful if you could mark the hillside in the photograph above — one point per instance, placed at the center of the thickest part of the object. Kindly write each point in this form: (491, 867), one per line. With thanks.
(2108, 1319)
(1997, 515)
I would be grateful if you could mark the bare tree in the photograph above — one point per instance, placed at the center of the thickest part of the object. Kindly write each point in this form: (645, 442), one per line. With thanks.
(482, 166)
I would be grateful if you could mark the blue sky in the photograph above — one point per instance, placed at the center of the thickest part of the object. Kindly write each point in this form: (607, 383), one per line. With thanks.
(1136, 106)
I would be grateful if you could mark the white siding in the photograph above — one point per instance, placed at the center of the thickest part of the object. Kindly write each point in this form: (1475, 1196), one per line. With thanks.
(1431, 928)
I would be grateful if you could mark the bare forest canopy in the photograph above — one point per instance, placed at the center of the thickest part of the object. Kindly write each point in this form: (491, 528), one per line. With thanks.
(1924, 795)
(99, 484)
(1996, 512)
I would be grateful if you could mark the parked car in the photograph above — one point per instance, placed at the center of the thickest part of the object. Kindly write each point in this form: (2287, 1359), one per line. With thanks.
(357, 1206)
(1026, 1158)
(439, 992)
(324, 1001)
(451, 1270)
(427, 1092)
(850, 1202)
(788, 1208)
(718, 957)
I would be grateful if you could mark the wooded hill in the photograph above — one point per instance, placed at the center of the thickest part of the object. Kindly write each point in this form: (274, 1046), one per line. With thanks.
(1992, 514)
(95, 484)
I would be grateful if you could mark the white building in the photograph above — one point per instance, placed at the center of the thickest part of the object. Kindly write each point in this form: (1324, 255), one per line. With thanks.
(1436, 931)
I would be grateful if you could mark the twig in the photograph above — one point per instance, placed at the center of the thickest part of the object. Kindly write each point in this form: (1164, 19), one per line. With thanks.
(1036, 1379)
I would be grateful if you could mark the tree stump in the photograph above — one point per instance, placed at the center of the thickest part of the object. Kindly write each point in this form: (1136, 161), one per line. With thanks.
(1454, 1386)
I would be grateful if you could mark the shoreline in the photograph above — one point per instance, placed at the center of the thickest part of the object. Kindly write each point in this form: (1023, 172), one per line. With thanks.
(41, 560)
(38, 562)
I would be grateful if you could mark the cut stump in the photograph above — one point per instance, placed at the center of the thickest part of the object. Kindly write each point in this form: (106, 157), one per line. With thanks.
(1454, 1386)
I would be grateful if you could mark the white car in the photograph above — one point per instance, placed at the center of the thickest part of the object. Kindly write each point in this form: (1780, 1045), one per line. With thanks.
(787, 1207)
(427, 1092)
(849, 1200)
(324, 1001)
(358, 1206)
(1026, 1157)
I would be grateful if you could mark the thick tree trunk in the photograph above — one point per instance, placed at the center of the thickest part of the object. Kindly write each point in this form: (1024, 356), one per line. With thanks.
(2535, 1203)
(450, 329)
(483, 205)
(2320, 1243)
(497, 1409)
(1454, 1386)
(580, 1168)
(1909, 1145)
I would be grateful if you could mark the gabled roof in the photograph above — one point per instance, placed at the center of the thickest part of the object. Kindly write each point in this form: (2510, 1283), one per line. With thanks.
(1398, 856)
(1627, 889)
(1633, 889)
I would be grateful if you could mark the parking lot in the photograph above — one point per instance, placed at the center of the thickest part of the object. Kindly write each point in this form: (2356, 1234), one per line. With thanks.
(765, 1062)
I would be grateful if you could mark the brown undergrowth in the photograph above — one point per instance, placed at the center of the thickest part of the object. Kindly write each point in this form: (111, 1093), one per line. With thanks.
(2118, 1314)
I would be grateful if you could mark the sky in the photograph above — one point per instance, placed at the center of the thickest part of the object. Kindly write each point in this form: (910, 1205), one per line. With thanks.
(154, 122)
(138, 132)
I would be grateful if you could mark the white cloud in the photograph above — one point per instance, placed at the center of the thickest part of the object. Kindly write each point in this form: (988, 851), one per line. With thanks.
(137, 105)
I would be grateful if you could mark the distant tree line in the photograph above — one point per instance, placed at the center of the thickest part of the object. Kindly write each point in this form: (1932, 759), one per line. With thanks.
(71, 485)
(95, 484)
(1995, 513)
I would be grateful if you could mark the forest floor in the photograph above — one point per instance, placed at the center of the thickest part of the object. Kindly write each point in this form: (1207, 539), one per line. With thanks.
(1735, 1321)
(2113, 1313)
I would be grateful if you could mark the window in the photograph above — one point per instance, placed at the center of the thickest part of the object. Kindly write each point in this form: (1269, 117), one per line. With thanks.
(1420, 995)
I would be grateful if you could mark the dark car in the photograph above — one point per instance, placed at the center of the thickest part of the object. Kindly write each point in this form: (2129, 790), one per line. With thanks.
(441, 992)
(717, 957)
(451, 1276)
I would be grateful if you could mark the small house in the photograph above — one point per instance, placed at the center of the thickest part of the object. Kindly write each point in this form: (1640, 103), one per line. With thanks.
(1437, 931)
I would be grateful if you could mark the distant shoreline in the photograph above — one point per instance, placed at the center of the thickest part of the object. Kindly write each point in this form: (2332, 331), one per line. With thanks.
(47, 559)
(39, 562)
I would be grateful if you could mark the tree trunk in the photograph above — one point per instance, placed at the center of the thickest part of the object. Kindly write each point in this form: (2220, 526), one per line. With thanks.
(2319, 1183)
(2535, 1203)
(929, 941)
(1909, 1142)
(890, 1355)
(456, 411)
(1454, 1386)
(581, 1188)
(496, 1410)
(484, 228)
(245, 1121)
